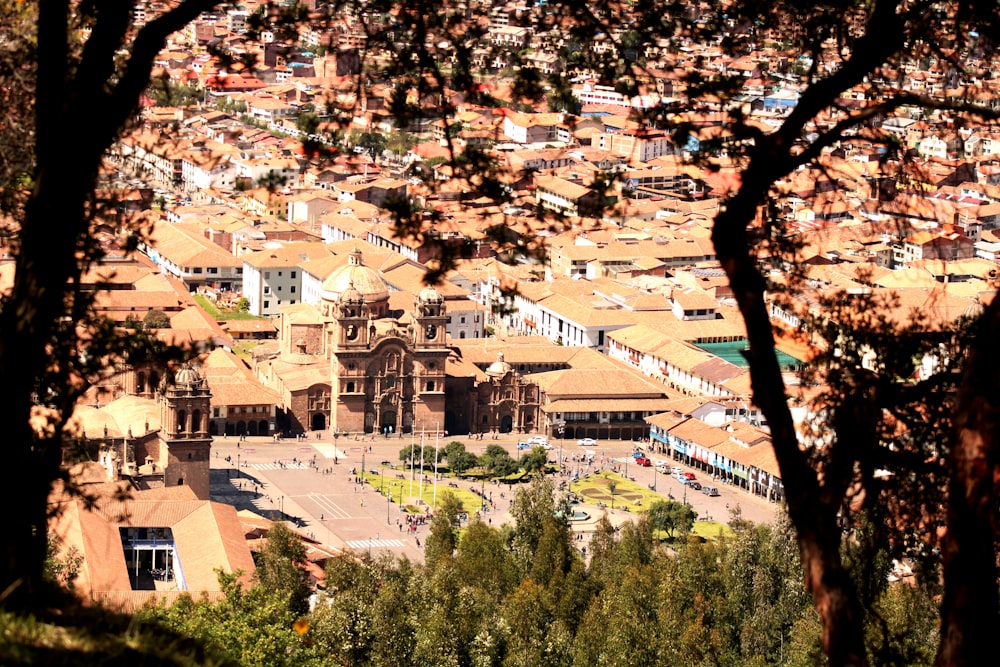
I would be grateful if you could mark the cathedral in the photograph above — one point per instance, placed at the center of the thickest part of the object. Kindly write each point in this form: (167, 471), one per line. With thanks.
(361, 361)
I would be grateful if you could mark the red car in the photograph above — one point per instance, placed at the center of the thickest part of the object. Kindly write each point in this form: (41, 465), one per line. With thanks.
(643, 461)
(689, 475)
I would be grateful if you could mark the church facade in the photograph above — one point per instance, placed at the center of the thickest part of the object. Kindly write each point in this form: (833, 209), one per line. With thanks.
(360, 363)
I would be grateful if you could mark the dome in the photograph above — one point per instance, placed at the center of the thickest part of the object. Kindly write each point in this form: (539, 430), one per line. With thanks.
(187, 377)
(499, 368)
(355, 280)
(430, 295)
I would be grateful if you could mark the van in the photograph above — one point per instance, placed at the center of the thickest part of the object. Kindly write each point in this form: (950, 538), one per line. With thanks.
(710, 490)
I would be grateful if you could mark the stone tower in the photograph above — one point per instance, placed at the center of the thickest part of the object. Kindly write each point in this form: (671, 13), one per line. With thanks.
(185, 445)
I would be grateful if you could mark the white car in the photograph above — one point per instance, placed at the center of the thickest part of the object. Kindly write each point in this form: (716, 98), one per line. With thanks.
(586, 442)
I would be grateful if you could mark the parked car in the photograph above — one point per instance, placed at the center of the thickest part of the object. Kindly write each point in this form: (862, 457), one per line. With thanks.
(643, 461)
(586, 442)
(681, 478)
(538, 440)
(523, 445)
(694, 484)
(710, 490)
(689, 475)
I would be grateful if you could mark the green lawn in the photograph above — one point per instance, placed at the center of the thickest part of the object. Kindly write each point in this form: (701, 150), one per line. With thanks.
(414, 492)
(627, 496)
(213, 310)
(635, 498)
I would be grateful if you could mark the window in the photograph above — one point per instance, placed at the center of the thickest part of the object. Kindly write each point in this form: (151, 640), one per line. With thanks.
(350, 388)
(462, 320)
(292, 288)
(267, 304)
(430, 385)
(196, 269)
(267, 275)
(279, 288)
(294, 274)
(279, 274)
(213, 269)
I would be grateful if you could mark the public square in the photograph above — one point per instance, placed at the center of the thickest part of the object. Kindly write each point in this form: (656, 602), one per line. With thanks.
(308, 483)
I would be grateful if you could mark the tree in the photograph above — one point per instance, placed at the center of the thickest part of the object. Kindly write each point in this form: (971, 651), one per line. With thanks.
(535, 460)
(81, 96)
(497, 461)
(671, 517)
(280, 567)
(156, 319)
(418, 452)
(482, 560)
(459, 459)
(373, 143)
(443, 537)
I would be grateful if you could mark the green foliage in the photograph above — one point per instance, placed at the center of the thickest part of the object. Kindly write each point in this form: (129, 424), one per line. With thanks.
(280, 567)
(443, 536)
(156, 319)
(535, 460)
(417, 452)
(249, 626)
(497, 461)
(62, 566)
(167, 93)
(671, 517)
(459, 459)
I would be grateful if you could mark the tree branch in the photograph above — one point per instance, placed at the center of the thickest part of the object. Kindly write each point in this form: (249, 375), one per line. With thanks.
(151, 39)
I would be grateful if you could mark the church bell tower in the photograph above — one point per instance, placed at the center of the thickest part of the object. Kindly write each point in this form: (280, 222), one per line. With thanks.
(185, 444)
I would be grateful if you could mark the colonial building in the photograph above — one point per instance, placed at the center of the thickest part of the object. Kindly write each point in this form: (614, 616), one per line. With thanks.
(154, 442)
(361, 362)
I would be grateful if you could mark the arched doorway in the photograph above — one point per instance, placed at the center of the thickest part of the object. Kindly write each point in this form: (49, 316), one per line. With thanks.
(506, 424)
(262, 427)
(251, 428)
(388, 424)
(318, 422)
